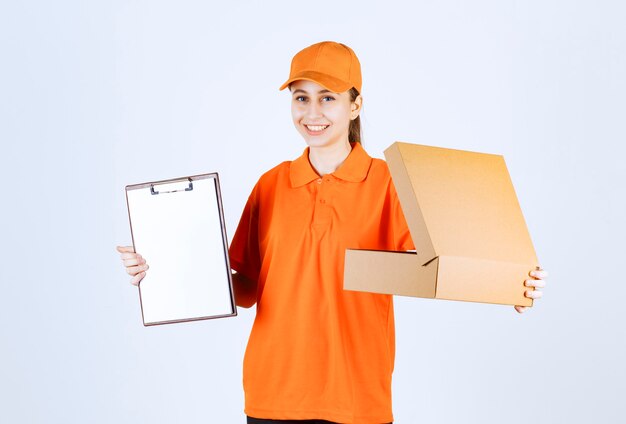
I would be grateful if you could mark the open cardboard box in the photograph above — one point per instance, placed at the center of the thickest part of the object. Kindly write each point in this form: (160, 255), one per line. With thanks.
(467, 226)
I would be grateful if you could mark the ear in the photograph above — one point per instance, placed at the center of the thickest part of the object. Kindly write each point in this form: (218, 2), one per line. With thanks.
(355, 107)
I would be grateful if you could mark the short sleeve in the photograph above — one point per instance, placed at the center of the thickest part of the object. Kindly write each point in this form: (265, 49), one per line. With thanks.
(244, 249)
(401, 234)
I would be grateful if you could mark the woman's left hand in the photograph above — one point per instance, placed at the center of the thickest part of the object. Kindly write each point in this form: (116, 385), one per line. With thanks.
(536, 283)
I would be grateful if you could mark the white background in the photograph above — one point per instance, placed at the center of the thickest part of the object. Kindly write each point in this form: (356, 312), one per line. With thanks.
(97, 95)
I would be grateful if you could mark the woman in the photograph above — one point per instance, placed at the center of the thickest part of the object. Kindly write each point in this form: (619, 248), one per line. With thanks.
(318, 353)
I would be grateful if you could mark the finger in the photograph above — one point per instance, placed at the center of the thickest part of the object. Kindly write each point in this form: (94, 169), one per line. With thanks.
(131, 256)
(134, 261)
(541, 274)
(134, 270)
(137, 279)
(521, 309)
(533, 294)
(123, 249)
(535, 283)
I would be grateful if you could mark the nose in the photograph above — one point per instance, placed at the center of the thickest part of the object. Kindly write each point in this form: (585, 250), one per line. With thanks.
(314, 110)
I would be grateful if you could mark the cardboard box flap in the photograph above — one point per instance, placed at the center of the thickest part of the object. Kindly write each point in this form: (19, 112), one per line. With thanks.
(459, 203)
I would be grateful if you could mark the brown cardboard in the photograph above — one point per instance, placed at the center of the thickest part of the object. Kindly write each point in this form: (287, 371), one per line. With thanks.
(465, 220)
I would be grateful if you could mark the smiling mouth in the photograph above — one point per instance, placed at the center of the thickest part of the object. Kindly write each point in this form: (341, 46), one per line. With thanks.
(316, 128)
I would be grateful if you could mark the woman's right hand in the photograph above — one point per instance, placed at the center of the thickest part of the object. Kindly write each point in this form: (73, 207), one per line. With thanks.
(135, 264)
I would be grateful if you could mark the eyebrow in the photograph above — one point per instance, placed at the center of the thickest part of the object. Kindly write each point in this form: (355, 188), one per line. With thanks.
(299, 90)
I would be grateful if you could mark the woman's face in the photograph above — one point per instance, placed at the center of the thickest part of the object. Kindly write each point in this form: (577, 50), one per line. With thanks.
(322, 116)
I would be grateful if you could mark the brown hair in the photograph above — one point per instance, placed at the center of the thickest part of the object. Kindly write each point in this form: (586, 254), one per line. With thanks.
(354, 131)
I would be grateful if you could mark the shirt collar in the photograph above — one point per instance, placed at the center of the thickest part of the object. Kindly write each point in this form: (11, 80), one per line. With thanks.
(353, 169)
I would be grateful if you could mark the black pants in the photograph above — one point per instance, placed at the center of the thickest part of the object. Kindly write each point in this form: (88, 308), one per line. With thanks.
(261, 421)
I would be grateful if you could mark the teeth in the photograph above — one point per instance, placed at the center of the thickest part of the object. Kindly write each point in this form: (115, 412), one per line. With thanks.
(317, 127)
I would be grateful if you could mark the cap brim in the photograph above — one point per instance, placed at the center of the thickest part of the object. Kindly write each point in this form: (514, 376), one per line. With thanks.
(330, 83)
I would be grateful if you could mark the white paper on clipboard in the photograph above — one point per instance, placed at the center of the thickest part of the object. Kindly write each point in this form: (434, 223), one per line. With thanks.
(177, 225)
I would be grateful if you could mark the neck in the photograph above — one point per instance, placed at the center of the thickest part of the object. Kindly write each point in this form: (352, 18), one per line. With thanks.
(327, 159)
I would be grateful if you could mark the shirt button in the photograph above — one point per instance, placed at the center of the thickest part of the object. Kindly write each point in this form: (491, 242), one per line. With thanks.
(319, 181)
(322, 201)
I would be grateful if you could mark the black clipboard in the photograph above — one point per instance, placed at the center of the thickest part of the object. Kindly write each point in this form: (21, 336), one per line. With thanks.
(177, 225)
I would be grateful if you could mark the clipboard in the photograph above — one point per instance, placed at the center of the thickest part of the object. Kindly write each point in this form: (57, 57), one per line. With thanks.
(177, 225)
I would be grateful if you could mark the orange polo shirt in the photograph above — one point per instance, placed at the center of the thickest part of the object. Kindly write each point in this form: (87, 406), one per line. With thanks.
(317, 351)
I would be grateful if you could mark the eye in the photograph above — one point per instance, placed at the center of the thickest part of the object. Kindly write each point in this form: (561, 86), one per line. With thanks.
(300, 99)
(328, 98)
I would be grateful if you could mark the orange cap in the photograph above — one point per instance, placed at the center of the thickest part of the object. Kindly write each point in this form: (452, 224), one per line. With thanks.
(332, 65)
